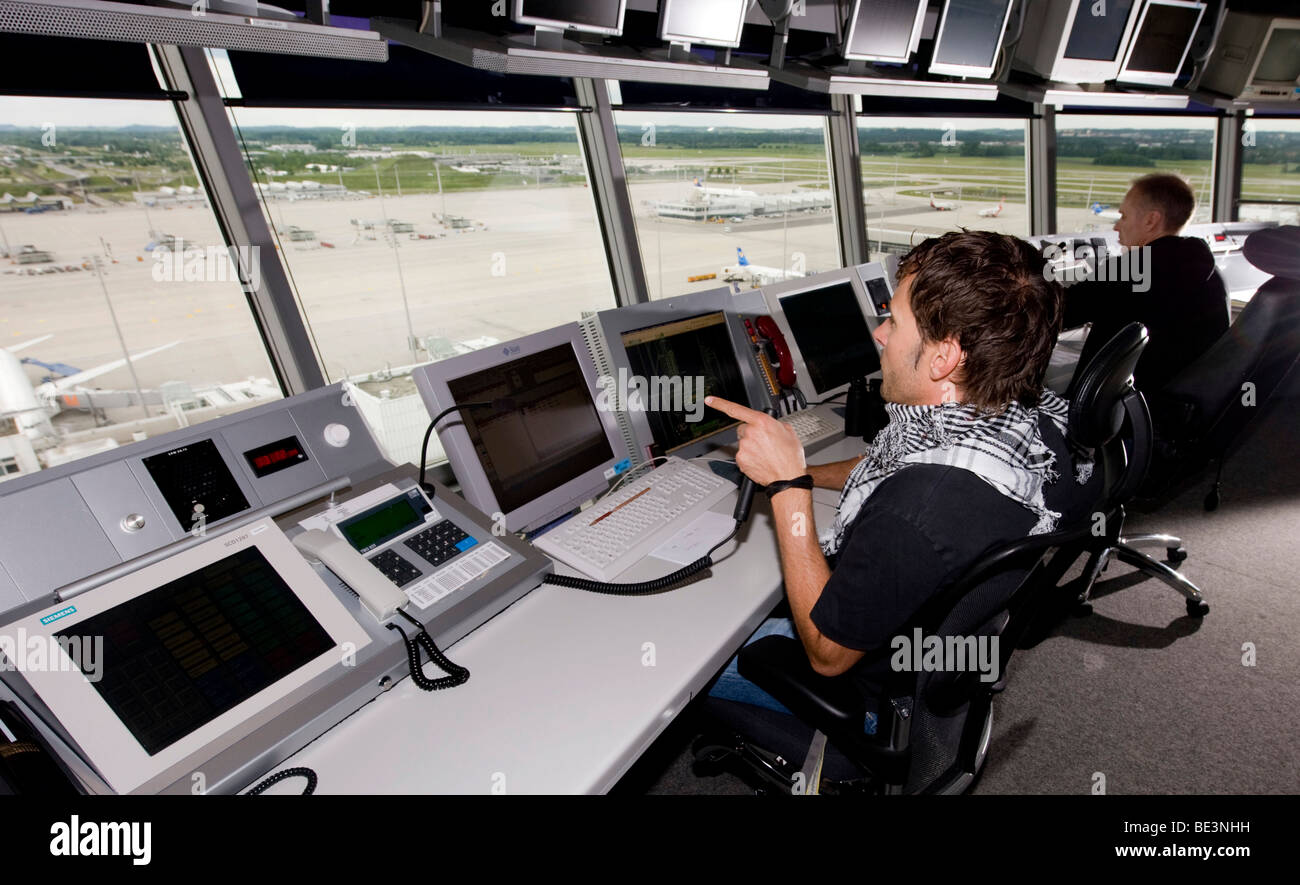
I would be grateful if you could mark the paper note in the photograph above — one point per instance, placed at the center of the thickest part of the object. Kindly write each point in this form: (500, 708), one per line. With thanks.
(695, 540)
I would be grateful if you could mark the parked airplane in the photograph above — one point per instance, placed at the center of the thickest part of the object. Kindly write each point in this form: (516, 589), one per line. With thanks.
(942, 205)
(743, 271)
(992, 211)
(1104, 211)
(723, 191)
(32, 406)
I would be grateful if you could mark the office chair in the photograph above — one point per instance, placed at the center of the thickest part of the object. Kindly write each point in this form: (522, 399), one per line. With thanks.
(1201, 413)
(933, 727)
(1125, 467)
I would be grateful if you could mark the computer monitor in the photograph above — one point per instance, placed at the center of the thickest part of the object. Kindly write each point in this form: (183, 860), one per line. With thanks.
(827, 325)
(594, 16)
(883, 30)
(542, 447)
(158, 672)
(1256, 57)
(1076, 41)
(968, 38)
(653, 346)
(710, 22)
(1164, 33)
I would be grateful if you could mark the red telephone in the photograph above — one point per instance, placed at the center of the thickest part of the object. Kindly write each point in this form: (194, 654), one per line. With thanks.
(768, 329)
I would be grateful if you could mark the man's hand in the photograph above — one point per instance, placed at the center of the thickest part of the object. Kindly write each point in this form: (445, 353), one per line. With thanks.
(769, 450)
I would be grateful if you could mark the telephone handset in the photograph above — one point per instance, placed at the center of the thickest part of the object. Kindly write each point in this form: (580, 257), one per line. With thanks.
(380, 596)
(771, 332)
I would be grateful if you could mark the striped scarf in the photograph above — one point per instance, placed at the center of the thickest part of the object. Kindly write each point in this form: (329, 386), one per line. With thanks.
(1005, 450)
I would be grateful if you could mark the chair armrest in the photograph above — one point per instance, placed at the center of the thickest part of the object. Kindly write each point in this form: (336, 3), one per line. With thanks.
(779, 665)
(832, 705)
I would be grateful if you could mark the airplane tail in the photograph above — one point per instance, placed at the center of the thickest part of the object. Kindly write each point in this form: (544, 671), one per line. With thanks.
(1096, 208)
(740, 253)
(697, 182)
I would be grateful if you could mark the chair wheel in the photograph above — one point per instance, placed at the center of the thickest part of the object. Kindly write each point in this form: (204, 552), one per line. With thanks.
(1212, 501)
(1175, 554)
(1197, 608)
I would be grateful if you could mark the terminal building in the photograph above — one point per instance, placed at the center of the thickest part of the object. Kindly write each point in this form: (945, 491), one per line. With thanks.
(380, 331)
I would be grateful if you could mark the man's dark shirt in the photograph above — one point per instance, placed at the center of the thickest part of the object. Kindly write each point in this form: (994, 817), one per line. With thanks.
(919, 531)
(1185, 310)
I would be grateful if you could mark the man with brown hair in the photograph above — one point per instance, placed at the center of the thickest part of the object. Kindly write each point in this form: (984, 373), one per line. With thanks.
(1181, 298)
(974, 455)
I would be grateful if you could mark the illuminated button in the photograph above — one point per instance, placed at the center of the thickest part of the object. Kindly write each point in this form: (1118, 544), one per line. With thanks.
(337, 435)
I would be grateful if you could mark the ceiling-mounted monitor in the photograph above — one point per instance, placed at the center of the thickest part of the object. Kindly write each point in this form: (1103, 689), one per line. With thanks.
(968, 38)
(883, 30)
(1160, 42)
(708, 22)
(1076, 41)
(1257, 57)
(593, 16)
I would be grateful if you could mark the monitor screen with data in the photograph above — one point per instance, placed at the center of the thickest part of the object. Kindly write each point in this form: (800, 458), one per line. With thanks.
(681, 362)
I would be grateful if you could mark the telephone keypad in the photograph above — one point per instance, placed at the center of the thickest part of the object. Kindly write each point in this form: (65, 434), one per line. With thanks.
(440, 542)
(395, 568)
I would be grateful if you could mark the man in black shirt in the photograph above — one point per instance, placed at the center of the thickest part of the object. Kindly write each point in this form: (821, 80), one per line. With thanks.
(1179, 297)
(974, 456)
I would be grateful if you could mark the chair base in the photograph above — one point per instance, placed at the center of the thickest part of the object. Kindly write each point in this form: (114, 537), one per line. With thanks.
(1126, 551)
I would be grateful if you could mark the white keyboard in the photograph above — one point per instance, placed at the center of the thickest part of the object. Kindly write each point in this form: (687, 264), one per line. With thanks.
(811, 427)
(604, 546)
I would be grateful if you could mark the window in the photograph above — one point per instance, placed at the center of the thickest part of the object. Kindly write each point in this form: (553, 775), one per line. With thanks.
(709, 188)
(1270, 170)
(921, 178)
(1099, 156)
(119, 301)
(412, 236)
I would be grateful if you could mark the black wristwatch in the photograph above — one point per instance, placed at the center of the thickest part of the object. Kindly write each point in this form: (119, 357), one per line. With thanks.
(799, 482)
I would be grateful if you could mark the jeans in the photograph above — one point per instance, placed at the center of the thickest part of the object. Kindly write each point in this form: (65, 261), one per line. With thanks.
(731, 686)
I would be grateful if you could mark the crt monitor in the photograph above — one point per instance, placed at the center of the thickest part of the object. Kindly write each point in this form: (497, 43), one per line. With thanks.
(529, 442)
(677, 364)
(1071, 41)
(622, 374)
(968, 38)
(593, 16)
(825, 321)
(1164, 32)
(1280, 60)
(711, 22)
(883, 30)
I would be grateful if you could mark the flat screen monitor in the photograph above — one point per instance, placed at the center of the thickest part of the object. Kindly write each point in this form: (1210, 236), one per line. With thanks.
(681, 362)
(711, 22)
(594, 16)
(827, 323)
(1280, 60)
(832, 334)
(1160, 43)
(161, 670)
(540, 446)
(1098, 37)
(969, 35)
(883, 30)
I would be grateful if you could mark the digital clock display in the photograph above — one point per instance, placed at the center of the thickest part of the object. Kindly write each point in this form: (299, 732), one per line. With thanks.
(276, 456)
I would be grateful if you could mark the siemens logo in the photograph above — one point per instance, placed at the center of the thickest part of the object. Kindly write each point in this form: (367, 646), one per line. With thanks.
(61, 613)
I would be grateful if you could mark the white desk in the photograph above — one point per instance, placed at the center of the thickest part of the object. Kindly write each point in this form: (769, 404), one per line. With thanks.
(562, 696)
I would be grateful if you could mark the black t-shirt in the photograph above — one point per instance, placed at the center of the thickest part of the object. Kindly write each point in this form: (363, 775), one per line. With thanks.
(1184, 307)
(917, 533)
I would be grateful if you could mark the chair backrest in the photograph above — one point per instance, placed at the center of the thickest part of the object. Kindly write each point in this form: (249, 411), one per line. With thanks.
(1106, 415)
(1259, 349)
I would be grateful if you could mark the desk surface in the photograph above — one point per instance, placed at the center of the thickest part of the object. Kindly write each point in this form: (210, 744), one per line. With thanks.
(567, 688)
